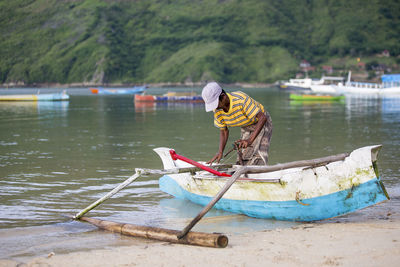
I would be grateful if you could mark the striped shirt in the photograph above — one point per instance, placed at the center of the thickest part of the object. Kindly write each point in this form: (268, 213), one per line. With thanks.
(242, 111)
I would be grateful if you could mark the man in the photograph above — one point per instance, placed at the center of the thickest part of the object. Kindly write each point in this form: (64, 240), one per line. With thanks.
(238, 109)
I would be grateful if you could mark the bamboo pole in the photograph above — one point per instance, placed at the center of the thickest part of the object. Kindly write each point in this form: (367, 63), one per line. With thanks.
(295, 164)
(193, 238)
(107, 196)
(227, 185)
(138, 173)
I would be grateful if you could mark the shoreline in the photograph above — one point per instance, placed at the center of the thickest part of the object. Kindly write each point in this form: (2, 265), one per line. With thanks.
(375, 243)
(119, 85)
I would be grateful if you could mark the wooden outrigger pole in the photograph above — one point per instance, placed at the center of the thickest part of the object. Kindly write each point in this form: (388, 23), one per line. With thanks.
(138, 173)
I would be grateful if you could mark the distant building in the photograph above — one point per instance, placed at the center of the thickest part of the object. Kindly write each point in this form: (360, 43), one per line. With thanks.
(327, 69)
(306, 66)
(361, 65)
(380, 67)
(386, 53)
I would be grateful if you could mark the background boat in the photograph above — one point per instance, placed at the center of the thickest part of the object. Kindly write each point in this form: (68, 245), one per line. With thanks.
(327, 86)
(315, 97)
(322, 85)
(390, 86)
(299, 84)
(118, 91)
(170, 97)
(37, 97)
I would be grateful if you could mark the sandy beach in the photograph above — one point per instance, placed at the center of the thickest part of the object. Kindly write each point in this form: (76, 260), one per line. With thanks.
(318, 244)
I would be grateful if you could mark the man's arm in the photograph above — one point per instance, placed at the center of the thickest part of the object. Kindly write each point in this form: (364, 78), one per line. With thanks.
(223, 139)
(262, 119)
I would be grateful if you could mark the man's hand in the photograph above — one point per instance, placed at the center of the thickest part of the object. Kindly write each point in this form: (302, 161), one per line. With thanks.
(223, 138)
(243, 143)
(217, 158)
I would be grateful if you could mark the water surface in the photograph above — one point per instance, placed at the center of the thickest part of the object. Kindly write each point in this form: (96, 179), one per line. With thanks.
(58, 157)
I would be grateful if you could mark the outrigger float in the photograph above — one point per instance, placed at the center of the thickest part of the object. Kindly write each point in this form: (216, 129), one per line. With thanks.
(306, 190)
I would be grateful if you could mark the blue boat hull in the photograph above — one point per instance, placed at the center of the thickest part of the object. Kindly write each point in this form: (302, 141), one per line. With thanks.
(129, 91)
(37, 97)
(312, 209)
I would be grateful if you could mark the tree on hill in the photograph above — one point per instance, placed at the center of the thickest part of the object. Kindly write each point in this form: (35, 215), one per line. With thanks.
(177, 41)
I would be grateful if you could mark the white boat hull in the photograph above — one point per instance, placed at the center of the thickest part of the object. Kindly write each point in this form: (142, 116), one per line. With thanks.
(296, 194)
(348, 90)
(326, 89)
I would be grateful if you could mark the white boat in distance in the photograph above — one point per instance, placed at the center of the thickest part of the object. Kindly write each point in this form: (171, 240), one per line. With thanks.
(327, 86)
(299, 84)
(322, 85)
(386, 88)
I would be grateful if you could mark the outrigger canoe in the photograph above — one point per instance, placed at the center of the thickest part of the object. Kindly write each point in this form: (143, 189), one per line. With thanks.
(118, 91)
(170, 97)
(307, 193)
(37, 97)
(308, 97)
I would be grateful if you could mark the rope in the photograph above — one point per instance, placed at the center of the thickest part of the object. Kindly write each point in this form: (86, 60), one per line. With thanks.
(234, 147)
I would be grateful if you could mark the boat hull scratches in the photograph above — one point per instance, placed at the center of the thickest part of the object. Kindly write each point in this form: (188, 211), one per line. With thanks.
(304, 210)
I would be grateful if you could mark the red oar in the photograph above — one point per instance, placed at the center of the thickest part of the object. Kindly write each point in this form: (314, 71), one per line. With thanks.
(175, 156)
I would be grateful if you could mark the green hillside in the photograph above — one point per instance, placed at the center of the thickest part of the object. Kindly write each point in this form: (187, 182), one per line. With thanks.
(54, 41)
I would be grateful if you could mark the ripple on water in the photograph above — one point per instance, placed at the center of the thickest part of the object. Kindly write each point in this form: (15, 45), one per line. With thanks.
(49, 170)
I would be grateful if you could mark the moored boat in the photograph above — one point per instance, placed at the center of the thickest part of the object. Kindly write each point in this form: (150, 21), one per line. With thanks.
(299, 84)
(323, 88)
(307, 193)
(327, 86)
(169, 97)
(322, 85)
(38, 97)
(118, 91)
(390, 86)
(366, 89)
(315, 97)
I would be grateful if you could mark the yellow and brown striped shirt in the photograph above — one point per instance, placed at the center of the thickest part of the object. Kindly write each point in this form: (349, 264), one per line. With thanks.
(242, 111)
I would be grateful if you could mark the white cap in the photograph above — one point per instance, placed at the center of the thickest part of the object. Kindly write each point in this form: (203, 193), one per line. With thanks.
(210, 95)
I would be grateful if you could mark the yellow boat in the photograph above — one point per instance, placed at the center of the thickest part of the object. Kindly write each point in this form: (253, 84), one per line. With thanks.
(38, 97)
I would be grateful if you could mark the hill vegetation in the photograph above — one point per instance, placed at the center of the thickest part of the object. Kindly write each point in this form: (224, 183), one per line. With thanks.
(104, 41)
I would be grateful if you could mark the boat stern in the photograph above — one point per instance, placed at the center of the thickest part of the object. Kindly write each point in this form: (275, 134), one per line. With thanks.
(374, 158)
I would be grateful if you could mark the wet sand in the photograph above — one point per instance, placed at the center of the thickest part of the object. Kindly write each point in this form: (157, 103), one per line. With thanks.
(319, 244)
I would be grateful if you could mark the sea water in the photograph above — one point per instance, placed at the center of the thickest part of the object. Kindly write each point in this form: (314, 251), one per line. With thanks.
(56, 158)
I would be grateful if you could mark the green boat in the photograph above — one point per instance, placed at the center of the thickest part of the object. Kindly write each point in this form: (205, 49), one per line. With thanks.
(307, 97)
